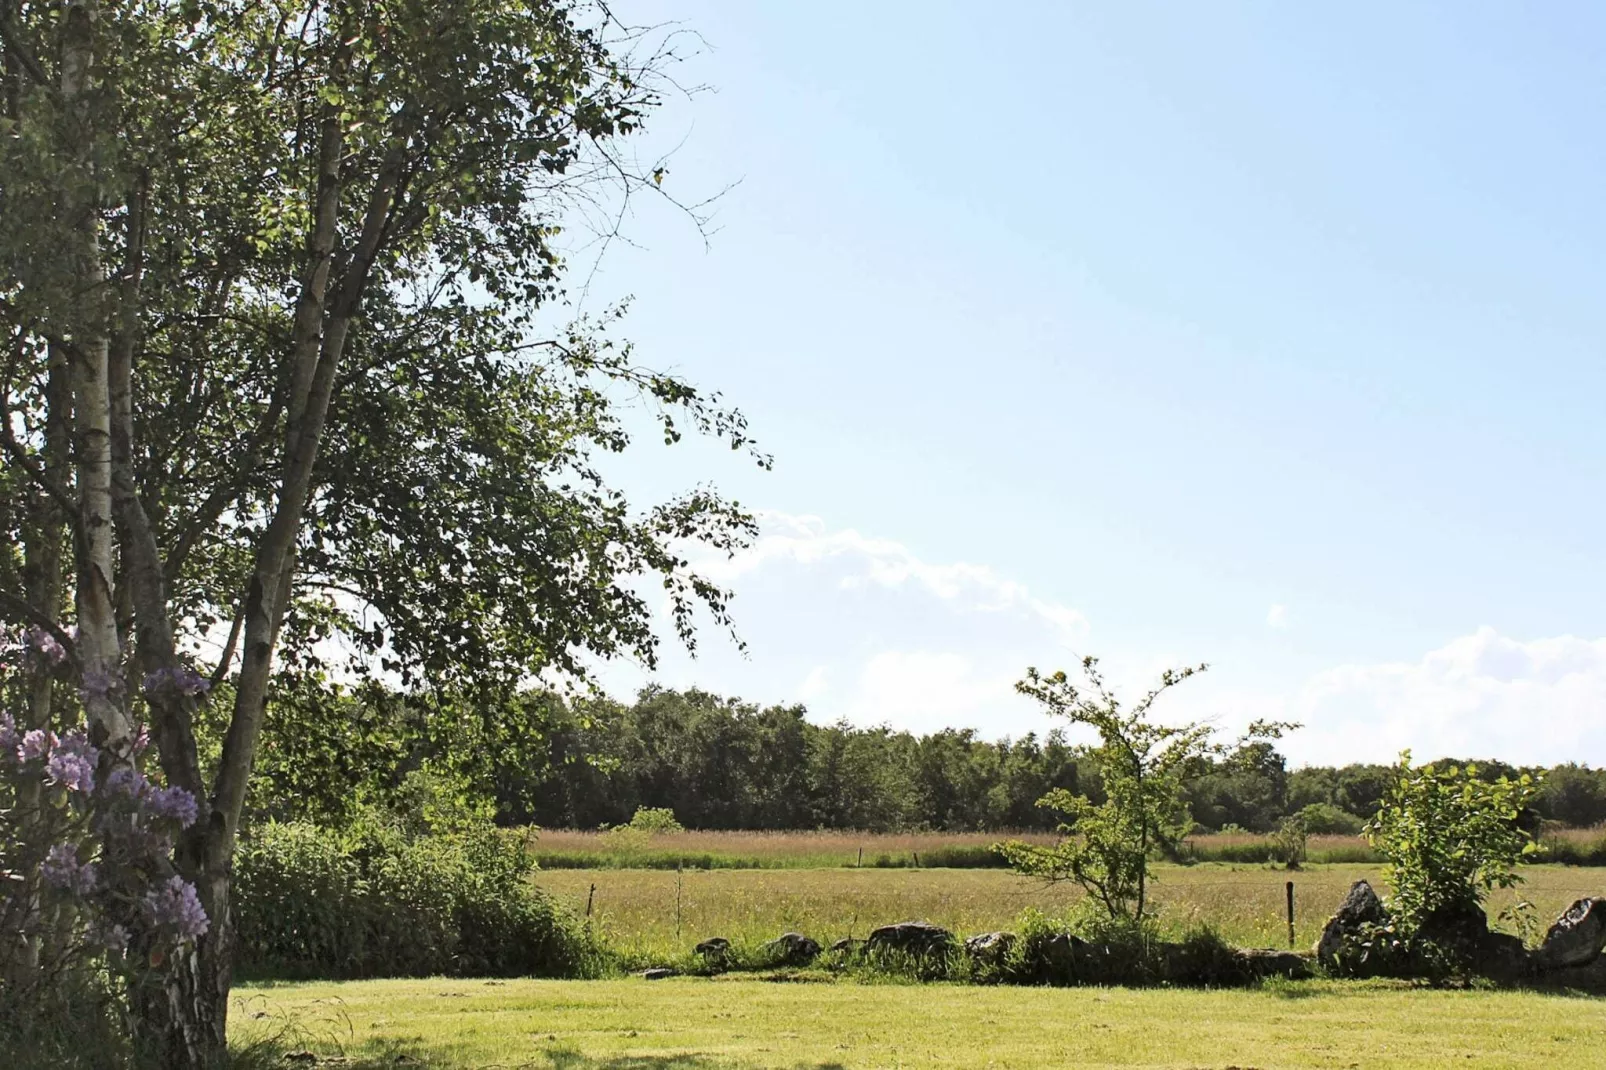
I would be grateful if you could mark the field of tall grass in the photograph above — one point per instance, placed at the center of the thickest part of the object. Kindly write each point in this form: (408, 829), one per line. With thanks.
(655, 915)
(568, 849)
(828, 849)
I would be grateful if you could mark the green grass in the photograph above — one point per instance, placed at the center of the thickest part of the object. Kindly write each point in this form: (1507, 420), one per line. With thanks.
(635, 910)
(690, 1023)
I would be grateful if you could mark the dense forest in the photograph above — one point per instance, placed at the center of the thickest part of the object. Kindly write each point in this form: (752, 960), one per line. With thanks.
(721, 763)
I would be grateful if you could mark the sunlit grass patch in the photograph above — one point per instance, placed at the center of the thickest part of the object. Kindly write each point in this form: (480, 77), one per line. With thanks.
(726, 1023)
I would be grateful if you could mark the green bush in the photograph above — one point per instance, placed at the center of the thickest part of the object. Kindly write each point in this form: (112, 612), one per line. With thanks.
(1450, 837)
(76, 1022)
(964, 856)
(375, 900)
(1086, 946)
(1325, 819)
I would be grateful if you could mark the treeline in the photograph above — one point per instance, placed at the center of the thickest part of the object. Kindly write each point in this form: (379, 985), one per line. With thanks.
(722, 763)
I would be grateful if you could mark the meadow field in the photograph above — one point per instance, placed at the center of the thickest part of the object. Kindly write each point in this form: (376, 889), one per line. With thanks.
(816, 1019)
(830, 849)
(727, 1024)
(657, 914)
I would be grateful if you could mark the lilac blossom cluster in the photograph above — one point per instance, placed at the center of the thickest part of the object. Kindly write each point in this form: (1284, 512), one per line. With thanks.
(144, 815)
(61, 869)
(106, 833)
(161, 804)
(175, 905)
(33, 648)
(177, 678)
(43, 648)
(68, 761)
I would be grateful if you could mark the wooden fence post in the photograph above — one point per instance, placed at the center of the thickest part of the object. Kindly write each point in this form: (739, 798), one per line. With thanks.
(1290, 914)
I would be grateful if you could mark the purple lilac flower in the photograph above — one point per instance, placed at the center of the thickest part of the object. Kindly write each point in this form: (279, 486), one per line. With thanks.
(72, 763)
(108, 936)
(35, 745)
(61, 869)
(44, 647)
(175, 903)
(9, 736)
(127, 782)
(180, 678)
(97, 684)
(173, 804)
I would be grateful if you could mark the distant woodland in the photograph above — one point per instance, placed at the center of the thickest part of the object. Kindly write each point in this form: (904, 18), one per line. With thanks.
(721, 763)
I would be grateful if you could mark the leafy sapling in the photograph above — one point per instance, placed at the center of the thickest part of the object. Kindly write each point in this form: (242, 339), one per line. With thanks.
(1144, 765)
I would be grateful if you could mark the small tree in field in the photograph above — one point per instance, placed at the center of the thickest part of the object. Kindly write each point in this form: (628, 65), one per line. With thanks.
(1144, 766)
(636, 836)
(1450, 837)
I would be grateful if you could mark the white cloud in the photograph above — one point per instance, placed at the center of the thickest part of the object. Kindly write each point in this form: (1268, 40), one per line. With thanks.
(926, 690)
(861, 561)
(814, 686)
(1481, 695)
(864, 628)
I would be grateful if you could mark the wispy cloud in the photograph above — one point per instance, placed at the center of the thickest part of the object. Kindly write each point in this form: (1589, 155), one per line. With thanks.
(864, 628)
(859, 561)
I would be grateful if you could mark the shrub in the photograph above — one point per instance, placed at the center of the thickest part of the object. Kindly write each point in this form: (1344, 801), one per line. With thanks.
(964, 856)
(376, 901)
(1325, 819)
(632, 840)
(1291, 840)
(77, 1023)
(1450, 837)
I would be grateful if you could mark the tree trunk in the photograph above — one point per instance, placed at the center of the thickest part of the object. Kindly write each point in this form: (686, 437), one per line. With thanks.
(89, 351)
(182, 1024)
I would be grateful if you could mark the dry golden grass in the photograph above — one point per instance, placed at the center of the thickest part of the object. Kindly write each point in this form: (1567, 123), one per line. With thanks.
(826, 848)
(636, 909)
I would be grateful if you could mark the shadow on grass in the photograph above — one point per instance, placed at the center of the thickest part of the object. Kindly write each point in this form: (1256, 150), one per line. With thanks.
(573, 1060)
(391, 1054)
(394, 1056)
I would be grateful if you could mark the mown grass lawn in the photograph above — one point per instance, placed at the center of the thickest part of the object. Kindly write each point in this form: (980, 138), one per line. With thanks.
(691, 1023)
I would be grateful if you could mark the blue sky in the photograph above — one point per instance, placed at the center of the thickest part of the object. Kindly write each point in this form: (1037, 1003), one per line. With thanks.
(1253, 334)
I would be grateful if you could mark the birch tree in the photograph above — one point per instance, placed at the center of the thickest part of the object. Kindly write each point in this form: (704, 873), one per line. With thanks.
(235, 234)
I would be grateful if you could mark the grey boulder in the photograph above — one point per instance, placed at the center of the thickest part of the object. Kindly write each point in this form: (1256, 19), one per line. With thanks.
(1361, 907)
(990, 947)
(1577, 937)
(911, 938)
(792, 949)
